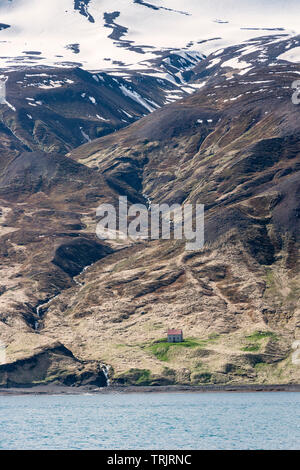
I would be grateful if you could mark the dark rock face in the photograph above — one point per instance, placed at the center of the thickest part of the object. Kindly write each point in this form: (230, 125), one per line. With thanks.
(118, 31)
(40, 173)
(31, 172)
(55, 364)
(78, 253)
(146, 4)
(286, 214)
(82, 7)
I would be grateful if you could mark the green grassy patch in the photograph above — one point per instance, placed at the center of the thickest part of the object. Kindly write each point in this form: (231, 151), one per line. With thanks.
(161, 348)
(251, 348)
(270, 279)
(254, 340)
(135, 377)
(259, 335)
(144, 377)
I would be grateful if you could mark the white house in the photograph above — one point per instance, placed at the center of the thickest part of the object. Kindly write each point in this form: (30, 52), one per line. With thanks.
(175, 336)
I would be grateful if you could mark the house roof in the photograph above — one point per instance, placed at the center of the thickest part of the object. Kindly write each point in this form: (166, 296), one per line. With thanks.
(174, 332)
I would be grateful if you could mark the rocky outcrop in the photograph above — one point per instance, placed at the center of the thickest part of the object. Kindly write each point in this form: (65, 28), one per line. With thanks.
(55, 364)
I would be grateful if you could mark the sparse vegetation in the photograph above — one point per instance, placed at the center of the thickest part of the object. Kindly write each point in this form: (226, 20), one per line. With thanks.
(135, 377)
(270, 279)
(254, 340)
(213, 337)
(261, 366)
(251, 348)
(202, 378)
(167, 372)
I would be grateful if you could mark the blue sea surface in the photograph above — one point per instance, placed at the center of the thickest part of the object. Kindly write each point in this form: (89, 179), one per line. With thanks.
(159, 421)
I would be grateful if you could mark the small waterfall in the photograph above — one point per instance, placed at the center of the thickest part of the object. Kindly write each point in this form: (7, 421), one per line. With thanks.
(78, 283)
(105, 369)
(148, 200)
(39, 311)
(86, 268)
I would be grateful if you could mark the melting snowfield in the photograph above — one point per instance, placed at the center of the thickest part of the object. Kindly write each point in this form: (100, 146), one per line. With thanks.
(104, 34)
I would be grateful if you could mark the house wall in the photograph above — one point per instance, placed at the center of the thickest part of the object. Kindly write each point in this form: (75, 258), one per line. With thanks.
(177, 338)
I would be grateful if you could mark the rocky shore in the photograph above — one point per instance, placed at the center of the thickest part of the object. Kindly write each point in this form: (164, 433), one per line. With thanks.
(62, 390)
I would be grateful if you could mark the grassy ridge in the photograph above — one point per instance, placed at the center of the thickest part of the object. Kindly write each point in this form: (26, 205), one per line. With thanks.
(161, 348)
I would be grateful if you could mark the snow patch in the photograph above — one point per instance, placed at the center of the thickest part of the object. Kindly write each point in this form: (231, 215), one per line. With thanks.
(293, 55)
(136, 97)
(235, 63)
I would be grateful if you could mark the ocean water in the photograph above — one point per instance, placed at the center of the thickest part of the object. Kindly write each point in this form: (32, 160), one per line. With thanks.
(160, 421)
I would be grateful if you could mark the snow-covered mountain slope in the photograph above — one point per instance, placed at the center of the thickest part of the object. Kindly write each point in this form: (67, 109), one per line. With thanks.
(106, 34)
(56, 109)
(81, 69)
(244, 60)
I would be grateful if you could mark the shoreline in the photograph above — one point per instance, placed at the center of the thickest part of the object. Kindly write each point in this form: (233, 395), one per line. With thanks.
(83, 390)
